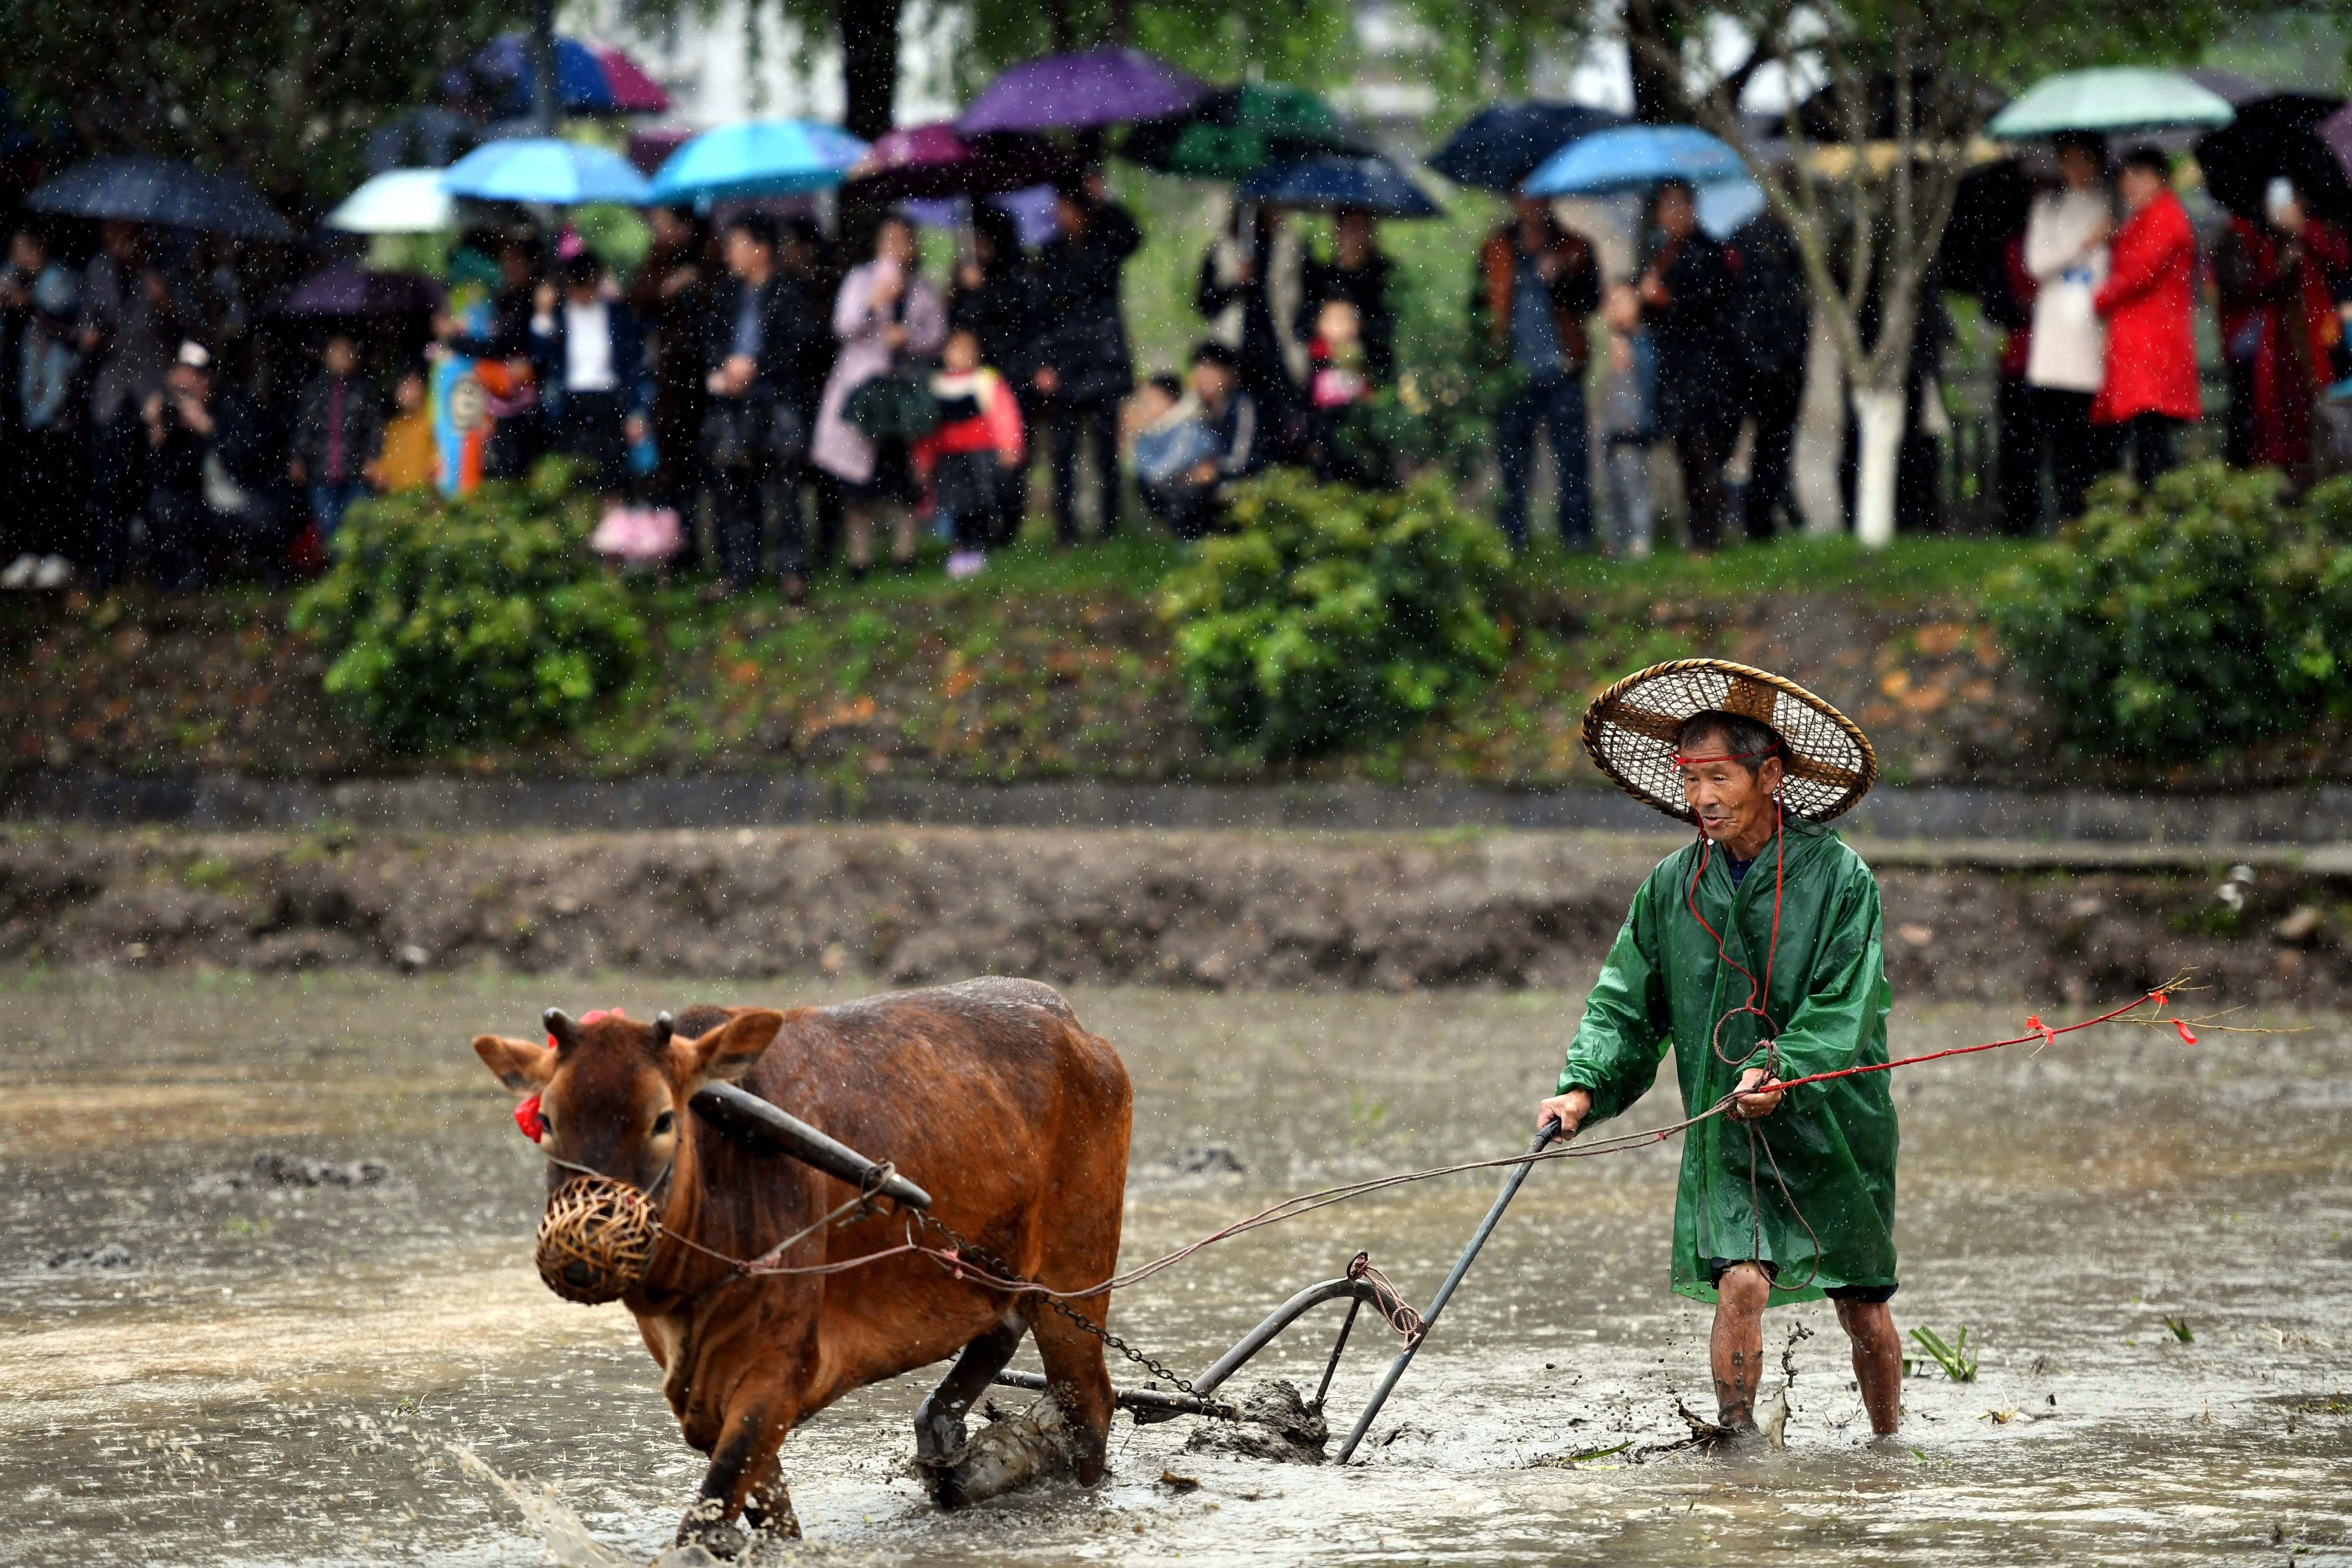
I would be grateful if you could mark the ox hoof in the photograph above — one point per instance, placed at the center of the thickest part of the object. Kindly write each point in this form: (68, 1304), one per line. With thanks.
(1035, 1446)
(707, 1529)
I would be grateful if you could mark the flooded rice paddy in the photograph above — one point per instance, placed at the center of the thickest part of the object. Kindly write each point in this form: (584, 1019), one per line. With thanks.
(283, 1374)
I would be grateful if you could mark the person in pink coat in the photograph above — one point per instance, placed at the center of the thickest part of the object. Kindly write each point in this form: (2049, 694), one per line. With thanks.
(2151, 389)
(887, 319)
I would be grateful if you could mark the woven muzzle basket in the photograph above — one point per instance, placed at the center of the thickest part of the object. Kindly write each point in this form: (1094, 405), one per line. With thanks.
(597, 1239)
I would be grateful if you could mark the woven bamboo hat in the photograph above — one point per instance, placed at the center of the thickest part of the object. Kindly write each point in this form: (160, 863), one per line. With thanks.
(1630, 730)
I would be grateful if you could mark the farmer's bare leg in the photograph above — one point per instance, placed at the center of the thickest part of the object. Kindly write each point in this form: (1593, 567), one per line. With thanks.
(1737, 1349)
(1877, 1360)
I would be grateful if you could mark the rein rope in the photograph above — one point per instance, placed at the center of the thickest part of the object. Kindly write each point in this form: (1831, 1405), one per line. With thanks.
(963, 1261)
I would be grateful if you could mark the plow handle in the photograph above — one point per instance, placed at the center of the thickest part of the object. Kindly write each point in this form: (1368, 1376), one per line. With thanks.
(1544, 1135)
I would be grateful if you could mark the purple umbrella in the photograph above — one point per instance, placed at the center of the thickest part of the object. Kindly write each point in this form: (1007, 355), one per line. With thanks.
(924, 162)
(1071, 92)
(349, 290)
(1032, 210)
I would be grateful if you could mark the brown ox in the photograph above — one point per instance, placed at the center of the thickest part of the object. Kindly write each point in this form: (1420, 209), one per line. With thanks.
(987, 1094)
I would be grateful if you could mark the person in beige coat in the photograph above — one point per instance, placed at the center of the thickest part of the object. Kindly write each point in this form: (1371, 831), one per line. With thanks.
(2066, 234)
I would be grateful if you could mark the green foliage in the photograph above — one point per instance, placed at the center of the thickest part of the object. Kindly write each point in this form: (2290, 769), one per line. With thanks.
(1335, 617)
(2204, 615)
(472, 622)
(283, 90)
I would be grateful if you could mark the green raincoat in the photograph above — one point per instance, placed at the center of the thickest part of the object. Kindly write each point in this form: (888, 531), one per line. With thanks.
(1665, 984)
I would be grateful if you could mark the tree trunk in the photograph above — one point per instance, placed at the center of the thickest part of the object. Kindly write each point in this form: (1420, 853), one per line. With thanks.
(1652, 40)
(869, 67)
(1878, 411)
(1122, 23)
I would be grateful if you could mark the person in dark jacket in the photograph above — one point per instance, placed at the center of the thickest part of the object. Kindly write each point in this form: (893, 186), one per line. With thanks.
(337, 425)
(590, 360)
(1083, 365)
(1252, 295)
(671, 296)
(1539, 285)
(811, 263)
(755, 354)
(213, 496)
(995, 295)
(1687, 299)
(1774, 315)
(2006, 290)
(1359, 273)
(44, 462)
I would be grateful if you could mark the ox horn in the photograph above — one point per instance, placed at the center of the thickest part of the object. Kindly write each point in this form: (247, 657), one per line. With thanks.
(663, 1027)
(559, 1027)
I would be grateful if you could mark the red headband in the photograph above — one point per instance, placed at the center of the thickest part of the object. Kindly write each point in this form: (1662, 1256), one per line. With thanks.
(1683, 762)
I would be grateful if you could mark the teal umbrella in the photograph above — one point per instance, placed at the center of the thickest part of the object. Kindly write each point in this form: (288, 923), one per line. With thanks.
(2113, 98)
(544, 169)
(758, 158)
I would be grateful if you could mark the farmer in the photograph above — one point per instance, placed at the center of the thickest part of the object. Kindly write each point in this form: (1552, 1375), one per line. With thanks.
(1754, 951)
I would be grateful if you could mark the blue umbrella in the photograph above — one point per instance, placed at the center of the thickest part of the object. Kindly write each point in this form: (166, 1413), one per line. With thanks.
(1634, 158)
(758, 158)
(141, 189)
(546, 169)
(580, 83)
(1372, 184)
(1499, 147)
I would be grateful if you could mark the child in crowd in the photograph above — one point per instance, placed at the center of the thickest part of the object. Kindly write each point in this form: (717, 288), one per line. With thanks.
(407, 460)
(336, 429)
(973, 459)
(1629, 423)
(1168, 437)
(1226, 448)
(1337, 383)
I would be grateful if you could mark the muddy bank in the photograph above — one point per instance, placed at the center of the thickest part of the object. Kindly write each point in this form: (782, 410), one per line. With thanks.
(1218, 911)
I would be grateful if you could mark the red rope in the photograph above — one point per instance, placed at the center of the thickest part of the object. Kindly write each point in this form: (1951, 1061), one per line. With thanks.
(1307, 1203)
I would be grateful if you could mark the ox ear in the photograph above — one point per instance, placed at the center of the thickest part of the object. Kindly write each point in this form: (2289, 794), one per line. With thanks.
(728, 1051)
(520, 1065)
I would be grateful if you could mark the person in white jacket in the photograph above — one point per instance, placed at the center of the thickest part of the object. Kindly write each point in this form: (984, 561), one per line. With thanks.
(2066, 238)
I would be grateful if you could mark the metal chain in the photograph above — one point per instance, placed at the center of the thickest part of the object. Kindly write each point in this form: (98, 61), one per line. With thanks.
(964, 1248)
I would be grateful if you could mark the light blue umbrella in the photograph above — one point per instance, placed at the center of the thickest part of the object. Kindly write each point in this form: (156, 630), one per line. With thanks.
(546, 169)
(2113, 98)
(757, 158)
(1634, 158)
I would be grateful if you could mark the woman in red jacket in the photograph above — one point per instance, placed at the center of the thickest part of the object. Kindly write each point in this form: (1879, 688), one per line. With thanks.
(2150, 388)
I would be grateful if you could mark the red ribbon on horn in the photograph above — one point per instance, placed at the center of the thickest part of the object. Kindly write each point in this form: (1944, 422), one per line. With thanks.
(527, 1117)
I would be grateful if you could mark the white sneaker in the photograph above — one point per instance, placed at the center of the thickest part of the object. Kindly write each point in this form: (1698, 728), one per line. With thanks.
(54, 572)
(19, 574)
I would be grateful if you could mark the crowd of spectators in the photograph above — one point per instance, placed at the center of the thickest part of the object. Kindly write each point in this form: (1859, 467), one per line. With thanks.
(796, 408)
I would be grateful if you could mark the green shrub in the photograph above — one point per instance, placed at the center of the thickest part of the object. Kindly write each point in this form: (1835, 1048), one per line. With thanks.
(473, 622)
(1335, 617)
(2201, 615)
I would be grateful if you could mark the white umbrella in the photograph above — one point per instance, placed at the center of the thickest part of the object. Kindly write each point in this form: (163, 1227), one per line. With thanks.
(398, 201)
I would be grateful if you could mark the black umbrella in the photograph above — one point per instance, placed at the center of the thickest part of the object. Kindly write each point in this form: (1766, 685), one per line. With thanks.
(350, 290)
(141, 189)
(1496, 148)
(1988, 210)
(2275, 138)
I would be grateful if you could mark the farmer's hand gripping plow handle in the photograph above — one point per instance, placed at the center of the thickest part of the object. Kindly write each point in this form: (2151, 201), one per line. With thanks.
(1544, 1135)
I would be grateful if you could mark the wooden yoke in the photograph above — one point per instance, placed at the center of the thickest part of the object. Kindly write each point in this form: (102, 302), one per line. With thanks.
(744, 1116)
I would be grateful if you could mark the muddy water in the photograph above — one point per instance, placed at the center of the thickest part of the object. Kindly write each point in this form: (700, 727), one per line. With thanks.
(286, 1375)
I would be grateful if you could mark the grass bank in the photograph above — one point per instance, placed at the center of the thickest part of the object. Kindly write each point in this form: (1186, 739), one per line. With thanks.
(1057, 666)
